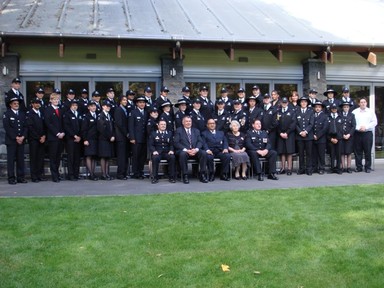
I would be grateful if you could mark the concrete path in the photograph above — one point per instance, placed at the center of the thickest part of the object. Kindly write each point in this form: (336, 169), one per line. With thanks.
(140, 187)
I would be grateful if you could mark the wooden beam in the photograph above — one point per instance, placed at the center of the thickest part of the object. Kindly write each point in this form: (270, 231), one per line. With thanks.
(230, 53)
(323, 55)
(118, 51)
(330, 57)
(278, 53)
(369, 56)
(61, 50)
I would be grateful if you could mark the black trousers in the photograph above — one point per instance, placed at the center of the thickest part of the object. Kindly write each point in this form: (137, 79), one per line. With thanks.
(225, 159)
(255, 161)
(318, 156)
(363, 142)
(305, 155)
(36, 157)
(122, 158)
(55, 150)
(15, 154)
(171, 159)
(183, 161)
(73, 157)
(335, 153)
(139, 156)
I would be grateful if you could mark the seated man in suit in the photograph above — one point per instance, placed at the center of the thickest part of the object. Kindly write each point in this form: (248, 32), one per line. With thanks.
(189, 144)
(258, 145)
(216, 146)
(161, 148)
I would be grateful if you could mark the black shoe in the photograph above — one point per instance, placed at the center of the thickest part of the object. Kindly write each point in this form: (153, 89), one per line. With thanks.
(203, 178)
(321, 172)
(72, 178)
(93, 178)
(300, 172)
(282, 171)
(35, 180)
(56, 180)
(340, 172)
(260, 177)
(272, 177)
(359, 170)
(22, 180)
(154, 181)
(349, 170)
(211, 177)
(289, 172)
(224, 177)
(172, 180)
(106, 178)
(367, 170)
(237, 177)
(185, 179)
(122, 177)
(244, 177)
(12, 182)
(42, 179)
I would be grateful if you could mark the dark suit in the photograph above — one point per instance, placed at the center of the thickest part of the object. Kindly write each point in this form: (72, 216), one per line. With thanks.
(15, 126)
(54, 126)
(121, 134)
(89, 133)
(335, 131)
(198, 120)
(349, 126)
(304, 122)
(72, 128)
(207, 108)
(36, 130)
(286, 123)
(269, 124)
(162, 142)
(11, 94)
(222, 121)
(179, 118)
(320, 128)
(327, 103)
(105, 129)
(259, 140)
(217, 142)
(181, 143)
(137, 127)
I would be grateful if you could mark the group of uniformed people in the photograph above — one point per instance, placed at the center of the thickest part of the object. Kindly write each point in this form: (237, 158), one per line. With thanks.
(248, 130)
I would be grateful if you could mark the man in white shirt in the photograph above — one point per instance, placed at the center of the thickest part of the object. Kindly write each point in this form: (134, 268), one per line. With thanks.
(366, 122)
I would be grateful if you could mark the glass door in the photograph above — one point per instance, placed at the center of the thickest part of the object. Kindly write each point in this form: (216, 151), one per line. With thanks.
(379, 131)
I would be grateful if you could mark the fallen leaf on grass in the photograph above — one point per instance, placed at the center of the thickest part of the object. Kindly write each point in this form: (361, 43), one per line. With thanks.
(256, 272)
(225, 268)
(161, 275)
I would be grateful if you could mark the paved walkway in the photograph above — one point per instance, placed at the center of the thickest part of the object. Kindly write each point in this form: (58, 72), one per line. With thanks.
(140, 187)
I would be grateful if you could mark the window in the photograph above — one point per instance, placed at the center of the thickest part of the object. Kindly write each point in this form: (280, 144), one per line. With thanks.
(231, 88)
(285, 90)
(77, 86)
(195, 87)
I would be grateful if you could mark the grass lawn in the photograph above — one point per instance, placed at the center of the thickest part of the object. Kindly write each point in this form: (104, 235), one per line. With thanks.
(315, 237)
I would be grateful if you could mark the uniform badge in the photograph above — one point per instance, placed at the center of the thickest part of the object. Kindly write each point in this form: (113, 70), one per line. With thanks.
(265, 140)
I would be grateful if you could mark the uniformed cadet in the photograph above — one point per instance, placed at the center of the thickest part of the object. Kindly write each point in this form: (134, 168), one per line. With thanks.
(148, 94)
(182, 111)
(130, 94)
(39, 94)
(216, 146)
(96, 98)
(72, 128)
(167, 116)
(111, 100)
(161, 99)
(221, 117)
(15, 92)
(186, 96)
(320, 128)
(106, 143)
(83, 102)
(121, 138)
(241, 97)
(349, 126)
(331, 98)
(334, 136)
(257, 94)
(53, 118)
(36, 140)
(286, 128)
(268, 119)
(161, 148)
(90, 137)
(253, 111)
(312, 96)
(153, 120)
(198, 119)
(275, 99)
(137, 127)
(240, 116)
(293, 100)
(304, 135)
(14, 123)
(258, 146)
(227, 101)
(207, 107)
(68, 101)
(347, 98)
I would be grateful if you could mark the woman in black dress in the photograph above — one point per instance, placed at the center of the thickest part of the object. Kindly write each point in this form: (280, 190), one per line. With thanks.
(89, 135)
(240, 158)
(349, 126)
(106, 139)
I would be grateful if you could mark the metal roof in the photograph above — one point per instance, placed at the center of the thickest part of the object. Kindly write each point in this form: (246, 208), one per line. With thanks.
(326, 22)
